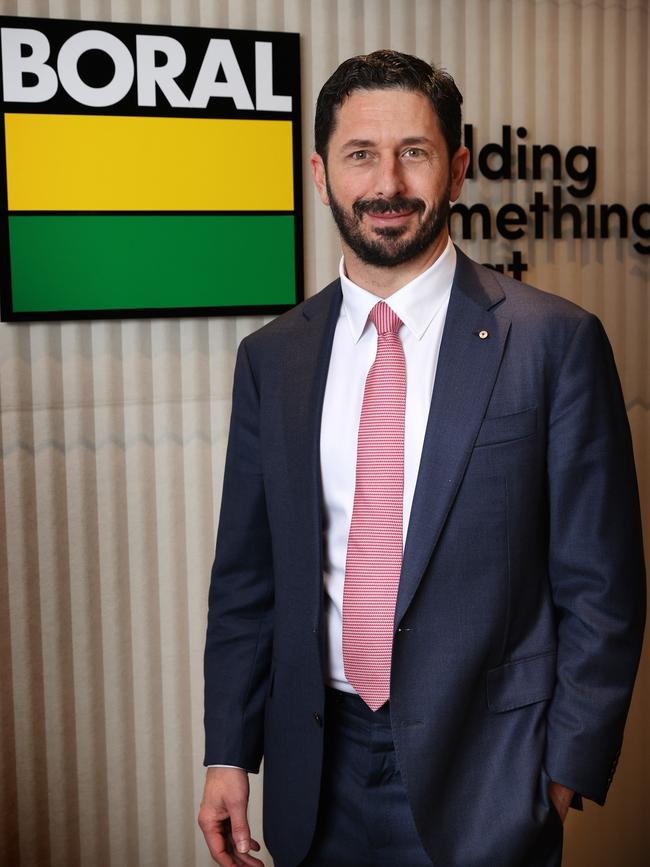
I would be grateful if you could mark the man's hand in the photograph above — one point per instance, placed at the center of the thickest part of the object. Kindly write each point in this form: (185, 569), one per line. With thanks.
(223, 820)
(561, 798)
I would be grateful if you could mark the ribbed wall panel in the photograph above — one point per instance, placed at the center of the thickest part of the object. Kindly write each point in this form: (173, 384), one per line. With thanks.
(113, 437)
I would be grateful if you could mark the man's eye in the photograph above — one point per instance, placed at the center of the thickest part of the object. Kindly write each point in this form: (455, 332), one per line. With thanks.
(414, 152)
(359, 155)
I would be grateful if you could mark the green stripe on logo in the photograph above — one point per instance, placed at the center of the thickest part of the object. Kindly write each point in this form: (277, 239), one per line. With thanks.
(153, 261)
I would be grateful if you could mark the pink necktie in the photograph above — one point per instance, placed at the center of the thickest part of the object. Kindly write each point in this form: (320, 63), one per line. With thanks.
(374, 555)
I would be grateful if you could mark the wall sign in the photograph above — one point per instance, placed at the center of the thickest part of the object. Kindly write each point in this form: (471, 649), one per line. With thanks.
(545, 216)
(149, 171)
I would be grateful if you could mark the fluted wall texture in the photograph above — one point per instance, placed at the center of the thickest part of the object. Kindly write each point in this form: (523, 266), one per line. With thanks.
(113, 437)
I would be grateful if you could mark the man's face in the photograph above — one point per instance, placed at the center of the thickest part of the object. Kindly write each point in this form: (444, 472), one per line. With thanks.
(388, 179)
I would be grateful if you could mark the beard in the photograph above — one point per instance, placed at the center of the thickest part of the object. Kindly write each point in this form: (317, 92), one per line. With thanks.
(389, 248)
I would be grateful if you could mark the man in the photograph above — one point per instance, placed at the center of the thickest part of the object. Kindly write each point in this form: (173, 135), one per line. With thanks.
(429, 565)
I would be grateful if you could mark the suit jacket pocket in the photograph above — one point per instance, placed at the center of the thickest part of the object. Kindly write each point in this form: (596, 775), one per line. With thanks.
(521, 682)
(505, 428)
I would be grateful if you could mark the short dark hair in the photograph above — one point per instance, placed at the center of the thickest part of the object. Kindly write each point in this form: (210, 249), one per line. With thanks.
(385, 70)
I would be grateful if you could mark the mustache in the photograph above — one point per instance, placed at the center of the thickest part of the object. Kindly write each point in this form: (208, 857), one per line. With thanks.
(396, 205)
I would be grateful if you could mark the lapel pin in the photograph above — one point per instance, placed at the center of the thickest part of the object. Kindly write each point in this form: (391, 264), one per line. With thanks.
(483, 334)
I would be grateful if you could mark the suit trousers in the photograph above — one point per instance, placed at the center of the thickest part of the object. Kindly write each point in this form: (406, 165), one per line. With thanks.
(364, 816)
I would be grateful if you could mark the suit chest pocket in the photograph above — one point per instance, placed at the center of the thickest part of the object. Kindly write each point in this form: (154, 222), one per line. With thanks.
(503, 429)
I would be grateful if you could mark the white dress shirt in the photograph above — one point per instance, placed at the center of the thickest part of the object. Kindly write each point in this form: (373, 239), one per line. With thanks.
(422, 307)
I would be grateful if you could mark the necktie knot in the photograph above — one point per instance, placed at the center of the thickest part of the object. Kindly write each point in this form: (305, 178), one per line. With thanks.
(384, 319)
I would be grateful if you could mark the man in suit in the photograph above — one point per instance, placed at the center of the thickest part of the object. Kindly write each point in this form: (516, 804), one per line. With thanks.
(427, 599)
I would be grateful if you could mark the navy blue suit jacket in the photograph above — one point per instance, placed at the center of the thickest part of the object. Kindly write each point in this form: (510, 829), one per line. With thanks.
(521, 601)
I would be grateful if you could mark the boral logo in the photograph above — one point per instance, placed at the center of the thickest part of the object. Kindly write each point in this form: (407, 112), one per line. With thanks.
(26, 53)
(149, 170)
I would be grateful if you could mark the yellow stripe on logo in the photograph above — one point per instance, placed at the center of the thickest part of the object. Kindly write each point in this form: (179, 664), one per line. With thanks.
(103, 163)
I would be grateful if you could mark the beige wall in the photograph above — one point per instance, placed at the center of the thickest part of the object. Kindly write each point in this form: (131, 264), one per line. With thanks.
(113, 434)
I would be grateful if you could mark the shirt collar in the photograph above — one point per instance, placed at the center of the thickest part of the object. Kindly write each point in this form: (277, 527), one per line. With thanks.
(416, 303)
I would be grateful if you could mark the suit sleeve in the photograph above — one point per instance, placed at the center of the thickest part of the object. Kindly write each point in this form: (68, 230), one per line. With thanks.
(596, 565)
(240, 611)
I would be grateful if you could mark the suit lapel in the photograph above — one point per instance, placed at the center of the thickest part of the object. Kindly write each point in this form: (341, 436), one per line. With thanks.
(467, 368)
(307, 361)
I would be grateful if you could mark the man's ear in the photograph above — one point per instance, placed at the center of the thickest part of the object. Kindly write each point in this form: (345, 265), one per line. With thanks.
(458, 170)
(318, 173)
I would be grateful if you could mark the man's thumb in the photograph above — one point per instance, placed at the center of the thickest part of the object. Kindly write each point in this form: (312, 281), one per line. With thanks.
(239, 829)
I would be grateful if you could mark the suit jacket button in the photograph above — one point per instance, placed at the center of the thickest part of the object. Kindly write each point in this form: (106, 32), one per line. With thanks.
(318, 718)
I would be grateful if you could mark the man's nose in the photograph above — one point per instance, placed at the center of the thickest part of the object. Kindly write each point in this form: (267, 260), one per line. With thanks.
(389, 180)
